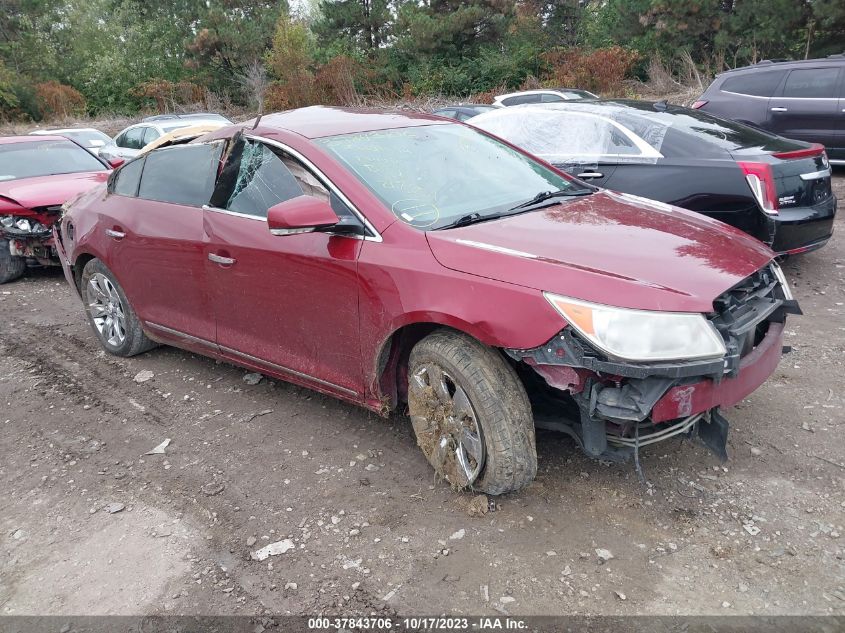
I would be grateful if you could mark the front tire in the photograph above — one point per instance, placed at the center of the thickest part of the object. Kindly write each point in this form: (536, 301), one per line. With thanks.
(471, 414)
(11, 266)
(112, 318)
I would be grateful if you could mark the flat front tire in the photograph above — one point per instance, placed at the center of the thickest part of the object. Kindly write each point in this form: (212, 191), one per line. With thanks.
(471, 414)
(11, 266)
(112, 318)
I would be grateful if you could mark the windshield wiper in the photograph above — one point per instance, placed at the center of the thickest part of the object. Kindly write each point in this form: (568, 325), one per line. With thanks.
(539, 199)
(465, 220)
(545, 196)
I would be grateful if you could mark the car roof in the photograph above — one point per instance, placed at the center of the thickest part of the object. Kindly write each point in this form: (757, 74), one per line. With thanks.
(61, 130)
(541, 91)
(183, 115)
(468, 106)
(786, 63)
(320, 121)
(598, 104)
(31, 138)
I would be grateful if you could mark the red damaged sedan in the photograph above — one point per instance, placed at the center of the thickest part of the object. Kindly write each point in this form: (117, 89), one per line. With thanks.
(398, 259)
(37, 175)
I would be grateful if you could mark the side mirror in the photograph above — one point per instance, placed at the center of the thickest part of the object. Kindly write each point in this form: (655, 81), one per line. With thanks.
(116, 162)
(302, 214)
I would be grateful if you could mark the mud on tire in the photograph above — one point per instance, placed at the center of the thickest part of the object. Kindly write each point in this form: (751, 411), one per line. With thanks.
(11, 267)
(453, 364)
(100, 292)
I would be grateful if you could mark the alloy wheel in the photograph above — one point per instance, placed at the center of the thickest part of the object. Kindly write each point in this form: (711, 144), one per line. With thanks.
(106, 309)
(446, 425)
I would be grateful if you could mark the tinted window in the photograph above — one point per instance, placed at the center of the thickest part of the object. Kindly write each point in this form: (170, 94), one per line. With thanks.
(183, 174)
(263, 180)
(127, 178)
(150, 135)
(133, 139)
(812, 83)
(45, 158)
(462, 116)
(762, 84)
(512, 101)
(550, 98)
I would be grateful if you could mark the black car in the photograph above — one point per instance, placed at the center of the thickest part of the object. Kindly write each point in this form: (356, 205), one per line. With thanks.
(804, 100)
(463, 111)
(776, 189)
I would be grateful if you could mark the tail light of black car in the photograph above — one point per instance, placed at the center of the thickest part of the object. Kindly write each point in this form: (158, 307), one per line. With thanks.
(761, 179)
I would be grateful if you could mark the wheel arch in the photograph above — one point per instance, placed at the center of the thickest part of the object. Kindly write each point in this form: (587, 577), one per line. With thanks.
(390, 382)
(78, 266)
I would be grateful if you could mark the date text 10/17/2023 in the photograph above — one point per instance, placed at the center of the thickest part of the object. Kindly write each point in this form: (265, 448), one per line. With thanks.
(418, 623)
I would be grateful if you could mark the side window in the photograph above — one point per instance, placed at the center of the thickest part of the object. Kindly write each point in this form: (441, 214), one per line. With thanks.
(463, 116)
(621, 144)
(257, 177)
(512, 101)
(183, 174)
(262, 181)
(812, 83)
(134, 138)
(150, 135)
(127, 178)
(447, 113)
(761, 84)
(550, 98)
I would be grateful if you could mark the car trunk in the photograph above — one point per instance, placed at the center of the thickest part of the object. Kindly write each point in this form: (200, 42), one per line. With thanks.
(794, 176)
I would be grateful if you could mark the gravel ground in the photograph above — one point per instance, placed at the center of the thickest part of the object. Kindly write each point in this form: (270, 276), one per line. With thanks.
(370, 529)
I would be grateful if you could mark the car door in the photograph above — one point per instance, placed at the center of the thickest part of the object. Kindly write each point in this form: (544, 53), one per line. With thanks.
(806, 105)
(157, 239)
(285, 303)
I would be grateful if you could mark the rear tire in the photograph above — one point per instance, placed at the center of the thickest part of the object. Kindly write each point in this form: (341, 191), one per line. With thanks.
(471, 414)
(112, 318)
(11, 266)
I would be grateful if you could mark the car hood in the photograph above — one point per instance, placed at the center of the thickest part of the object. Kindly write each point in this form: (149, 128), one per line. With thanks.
(610, 248)
(46, 191)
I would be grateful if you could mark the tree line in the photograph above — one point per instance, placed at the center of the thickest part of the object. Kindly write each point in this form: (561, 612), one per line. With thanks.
(70, 57)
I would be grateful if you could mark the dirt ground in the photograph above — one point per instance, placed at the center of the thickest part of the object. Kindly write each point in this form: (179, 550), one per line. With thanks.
(371, 529)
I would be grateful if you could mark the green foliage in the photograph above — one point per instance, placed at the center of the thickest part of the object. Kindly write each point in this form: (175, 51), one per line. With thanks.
(362, 25)
(123, 55)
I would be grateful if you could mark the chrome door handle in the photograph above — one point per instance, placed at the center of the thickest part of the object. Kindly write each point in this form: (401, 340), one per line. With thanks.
(219, 259)
(779, 109)
(591, 174)
(118, 235)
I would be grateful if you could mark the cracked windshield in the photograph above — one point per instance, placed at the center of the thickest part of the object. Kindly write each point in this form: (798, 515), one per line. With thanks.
(422, 174)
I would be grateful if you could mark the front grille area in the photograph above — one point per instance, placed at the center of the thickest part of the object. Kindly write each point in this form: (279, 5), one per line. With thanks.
(743, 313)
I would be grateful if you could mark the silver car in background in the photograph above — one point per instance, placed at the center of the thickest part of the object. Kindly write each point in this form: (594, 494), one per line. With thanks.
(90, 138)
(129, 142)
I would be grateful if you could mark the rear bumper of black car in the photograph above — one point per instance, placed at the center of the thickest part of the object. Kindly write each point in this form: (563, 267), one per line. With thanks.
(803, 229)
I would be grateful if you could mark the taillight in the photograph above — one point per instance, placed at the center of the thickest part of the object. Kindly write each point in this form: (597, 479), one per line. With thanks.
(761, 179)
(699, 104)
(814, 150)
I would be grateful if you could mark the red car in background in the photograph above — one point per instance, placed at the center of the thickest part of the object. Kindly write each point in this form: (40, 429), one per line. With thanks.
(37, 175)
(399, 259)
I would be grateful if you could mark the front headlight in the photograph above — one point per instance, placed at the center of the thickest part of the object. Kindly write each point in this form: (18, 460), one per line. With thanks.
(641, 335)
(7, 220)
(23, 224)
